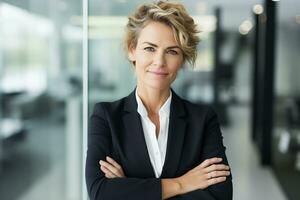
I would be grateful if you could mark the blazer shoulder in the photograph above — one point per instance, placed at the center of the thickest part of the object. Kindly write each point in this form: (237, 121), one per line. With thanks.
(199, 109)
(110, 107)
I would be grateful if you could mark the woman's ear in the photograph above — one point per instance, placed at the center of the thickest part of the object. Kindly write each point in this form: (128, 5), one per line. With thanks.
(131, 54)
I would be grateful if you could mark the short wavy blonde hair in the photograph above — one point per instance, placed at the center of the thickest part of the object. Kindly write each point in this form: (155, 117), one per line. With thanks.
(172, 14)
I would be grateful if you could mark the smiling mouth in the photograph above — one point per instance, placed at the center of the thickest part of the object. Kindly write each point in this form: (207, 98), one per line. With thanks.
(159, 73)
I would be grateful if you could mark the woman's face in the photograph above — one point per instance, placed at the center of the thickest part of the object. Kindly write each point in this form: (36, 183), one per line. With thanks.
(157, 56)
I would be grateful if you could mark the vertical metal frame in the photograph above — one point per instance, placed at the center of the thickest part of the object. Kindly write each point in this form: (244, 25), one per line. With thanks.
(255, 74)
(85, 78)
(217, 38)
(268, 87)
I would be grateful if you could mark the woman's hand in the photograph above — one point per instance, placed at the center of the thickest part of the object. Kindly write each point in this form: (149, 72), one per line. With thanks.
(208, 173)
(111, 168)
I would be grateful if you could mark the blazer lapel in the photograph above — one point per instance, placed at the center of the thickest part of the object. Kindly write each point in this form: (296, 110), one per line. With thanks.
(134, 131)
(177, 126)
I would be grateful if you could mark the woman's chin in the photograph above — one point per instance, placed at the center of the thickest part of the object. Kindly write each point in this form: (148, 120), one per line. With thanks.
(157, 85)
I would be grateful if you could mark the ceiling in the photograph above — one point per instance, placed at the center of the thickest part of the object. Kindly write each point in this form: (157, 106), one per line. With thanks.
(234, 12)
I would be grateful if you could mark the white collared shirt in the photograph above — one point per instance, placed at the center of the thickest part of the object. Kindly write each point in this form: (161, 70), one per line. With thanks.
(157, 147)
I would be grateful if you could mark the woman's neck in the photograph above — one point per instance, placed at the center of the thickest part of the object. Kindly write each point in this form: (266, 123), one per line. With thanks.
(152, 98)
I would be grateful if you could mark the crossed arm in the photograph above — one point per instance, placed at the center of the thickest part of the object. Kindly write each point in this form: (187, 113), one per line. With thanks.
(210, 180)
(204, 175)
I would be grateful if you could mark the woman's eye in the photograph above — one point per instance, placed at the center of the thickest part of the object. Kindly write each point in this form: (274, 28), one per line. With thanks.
(150, 49)
(172, 52)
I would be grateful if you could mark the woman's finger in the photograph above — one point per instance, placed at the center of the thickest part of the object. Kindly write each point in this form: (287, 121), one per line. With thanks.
(216, 167)
(108, 174)
(210, 161)
(113, 162)
(116, 165)
(207, 163)
(215, 174)
(214, 181)
(111, 168)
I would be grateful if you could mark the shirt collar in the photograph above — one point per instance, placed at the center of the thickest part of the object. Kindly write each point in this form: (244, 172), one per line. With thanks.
(163, 111)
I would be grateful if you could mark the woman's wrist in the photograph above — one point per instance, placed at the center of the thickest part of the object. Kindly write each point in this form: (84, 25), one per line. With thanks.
(180, 184)
(170, 187)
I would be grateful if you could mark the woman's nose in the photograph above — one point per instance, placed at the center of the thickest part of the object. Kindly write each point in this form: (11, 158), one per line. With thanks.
(159, 59)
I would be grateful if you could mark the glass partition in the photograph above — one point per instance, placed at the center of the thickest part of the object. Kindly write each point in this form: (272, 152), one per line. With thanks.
(286, 140)
(40, 99)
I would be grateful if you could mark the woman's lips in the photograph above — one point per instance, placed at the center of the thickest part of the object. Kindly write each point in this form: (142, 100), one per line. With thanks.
(160, 73)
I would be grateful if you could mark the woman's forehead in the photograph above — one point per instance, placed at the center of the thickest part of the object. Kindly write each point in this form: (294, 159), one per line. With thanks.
(157, 33)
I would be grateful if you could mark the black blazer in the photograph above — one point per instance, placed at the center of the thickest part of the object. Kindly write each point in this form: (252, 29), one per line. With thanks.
(115, 130)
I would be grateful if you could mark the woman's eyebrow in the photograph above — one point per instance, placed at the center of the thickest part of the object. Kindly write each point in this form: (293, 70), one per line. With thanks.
(154, 45)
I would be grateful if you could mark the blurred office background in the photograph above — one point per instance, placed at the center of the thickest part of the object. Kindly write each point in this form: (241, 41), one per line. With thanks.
(248, 68)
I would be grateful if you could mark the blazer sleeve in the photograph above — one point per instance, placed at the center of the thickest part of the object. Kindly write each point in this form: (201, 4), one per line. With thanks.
(212, 147)
(100, 187)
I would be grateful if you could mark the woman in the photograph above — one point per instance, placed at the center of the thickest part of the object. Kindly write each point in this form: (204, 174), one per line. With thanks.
(152, 144)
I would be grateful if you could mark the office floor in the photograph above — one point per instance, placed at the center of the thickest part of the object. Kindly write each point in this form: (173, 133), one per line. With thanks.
(250, 180)
(35, 160)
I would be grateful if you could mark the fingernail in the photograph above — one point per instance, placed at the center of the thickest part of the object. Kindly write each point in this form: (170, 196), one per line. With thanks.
(100, 162)
(220, 159)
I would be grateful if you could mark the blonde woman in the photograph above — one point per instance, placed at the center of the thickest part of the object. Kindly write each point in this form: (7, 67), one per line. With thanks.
(152, 144)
